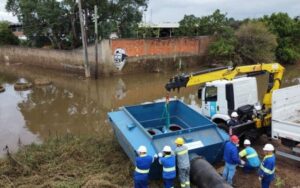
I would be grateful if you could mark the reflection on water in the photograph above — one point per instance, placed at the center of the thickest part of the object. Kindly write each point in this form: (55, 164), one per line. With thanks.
(69, 105)
(120, 89)
(73, 105)
(52, 110)
(13, 128)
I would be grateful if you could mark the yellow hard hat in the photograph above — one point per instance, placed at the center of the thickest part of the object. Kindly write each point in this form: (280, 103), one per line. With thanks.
(179, 140)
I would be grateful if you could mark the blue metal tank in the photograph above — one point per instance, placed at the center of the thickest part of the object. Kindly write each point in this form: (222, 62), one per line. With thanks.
(144, 125)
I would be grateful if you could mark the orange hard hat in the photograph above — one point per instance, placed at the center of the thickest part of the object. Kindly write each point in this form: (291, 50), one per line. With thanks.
(234, 138)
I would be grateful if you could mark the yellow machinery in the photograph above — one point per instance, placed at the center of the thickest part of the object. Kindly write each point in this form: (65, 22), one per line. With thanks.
(226, 76)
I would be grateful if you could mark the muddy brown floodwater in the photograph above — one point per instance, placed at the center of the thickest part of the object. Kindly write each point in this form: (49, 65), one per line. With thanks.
(71, 104)
(78, 106)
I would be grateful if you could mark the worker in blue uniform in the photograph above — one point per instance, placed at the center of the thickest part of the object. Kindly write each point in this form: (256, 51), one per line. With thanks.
(233, 121)
(250, 154)
(267, 168)
(231, 158)
(142, 168)
(167, 160)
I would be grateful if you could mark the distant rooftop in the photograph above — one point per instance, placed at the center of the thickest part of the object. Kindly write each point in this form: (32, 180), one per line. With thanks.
(160, 25)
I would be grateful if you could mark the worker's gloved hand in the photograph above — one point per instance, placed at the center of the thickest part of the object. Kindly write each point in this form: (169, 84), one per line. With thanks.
(160, 154)
(243, 162)
(155, 156)
(259, 178)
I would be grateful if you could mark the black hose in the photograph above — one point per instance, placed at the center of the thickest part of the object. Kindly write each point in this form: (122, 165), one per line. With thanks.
(203, 175)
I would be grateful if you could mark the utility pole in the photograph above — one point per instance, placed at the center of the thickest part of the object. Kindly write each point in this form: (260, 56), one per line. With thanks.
(96, 41)
(84, 43)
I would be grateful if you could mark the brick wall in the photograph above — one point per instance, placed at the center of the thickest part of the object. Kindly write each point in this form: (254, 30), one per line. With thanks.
(162, 46)
(143, 55)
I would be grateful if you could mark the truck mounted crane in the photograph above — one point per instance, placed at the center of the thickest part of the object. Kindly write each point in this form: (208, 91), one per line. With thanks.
(227, 89)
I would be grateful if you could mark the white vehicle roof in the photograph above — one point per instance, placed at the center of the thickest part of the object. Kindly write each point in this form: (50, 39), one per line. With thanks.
(222, 82)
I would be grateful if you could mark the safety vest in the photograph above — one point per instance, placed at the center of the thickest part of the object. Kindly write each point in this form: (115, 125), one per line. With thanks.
(267, 167)
(182, 154)
(142, 168)
(251, 156)
(169, 166)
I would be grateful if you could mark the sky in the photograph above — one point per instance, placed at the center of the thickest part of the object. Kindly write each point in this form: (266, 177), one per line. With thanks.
(174, 10)
(5, 15)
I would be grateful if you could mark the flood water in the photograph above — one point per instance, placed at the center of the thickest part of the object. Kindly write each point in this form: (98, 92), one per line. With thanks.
(77, 106)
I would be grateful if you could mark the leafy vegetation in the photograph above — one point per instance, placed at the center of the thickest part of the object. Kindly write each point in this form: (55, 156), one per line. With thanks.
(223, 47)
(248, 41)
(279, 182)
(288, 36)
(6, 35)
(191, 25)
(57, 22)
(67, 161)
(256, 44)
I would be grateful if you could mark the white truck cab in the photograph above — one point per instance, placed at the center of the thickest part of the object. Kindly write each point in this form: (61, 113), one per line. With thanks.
(219, 98)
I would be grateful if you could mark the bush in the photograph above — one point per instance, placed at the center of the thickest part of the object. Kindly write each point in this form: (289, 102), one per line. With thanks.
(256, 44)
(287, 31)
(6, 35)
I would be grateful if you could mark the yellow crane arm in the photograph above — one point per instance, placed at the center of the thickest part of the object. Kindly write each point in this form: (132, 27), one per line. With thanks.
(275, 71)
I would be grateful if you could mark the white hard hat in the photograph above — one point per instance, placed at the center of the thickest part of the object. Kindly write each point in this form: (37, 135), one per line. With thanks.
(142, 149)
(247, 142)
(234, 114)
(257, 107)
(268, 147)
(167, 149)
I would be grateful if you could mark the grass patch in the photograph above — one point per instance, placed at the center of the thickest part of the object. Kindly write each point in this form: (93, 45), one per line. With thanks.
(279, 182)
(68, 161)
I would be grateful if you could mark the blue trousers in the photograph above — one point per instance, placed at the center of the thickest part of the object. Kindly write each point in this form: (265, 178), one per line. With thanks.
(228, 172)
(169, 183)
(265, 183)
(247, 168)
(140, 183)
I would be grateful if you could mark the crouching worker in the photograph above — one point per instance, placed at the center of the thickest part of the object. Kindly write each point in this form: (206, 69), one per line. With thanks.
(267, 168)
(183, 163)
(250, 154)
(167, 160)
(142, 168)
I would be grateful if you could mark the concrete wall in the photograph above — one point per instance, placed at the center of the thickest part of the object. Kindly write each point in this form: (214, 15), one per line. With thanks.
(143, 55)
(54, 59)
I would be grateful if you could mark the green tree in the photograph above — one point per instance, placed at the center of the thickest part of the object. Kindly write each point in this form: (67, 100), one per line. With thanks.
(58, 21)
(42, 21)
(255, 43)
(188, 26)
(213, 24)
(287, 31)
(191, 25)
(222, 49)
(6, 35)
